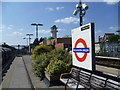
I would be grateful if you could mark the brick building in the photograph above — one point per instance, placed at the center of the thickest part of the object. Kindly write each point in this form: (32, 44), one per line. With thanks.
(105, 37)
(63, 43)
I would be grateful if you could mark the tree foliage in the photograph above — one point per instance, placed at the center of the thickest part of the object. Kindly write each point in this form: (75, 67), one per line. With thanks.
(55, 62)
(40, 50)
(41, 39)
(114, 39)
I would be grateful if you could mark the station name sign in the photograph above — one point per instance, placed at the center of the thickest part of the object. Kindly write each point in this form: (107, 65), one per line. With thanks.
(81, 50)
(83, 47)
(85, 27)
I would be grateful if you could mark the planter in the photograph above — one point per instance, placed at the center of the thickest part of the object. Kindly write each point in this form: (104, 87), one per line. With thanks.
(52, 77)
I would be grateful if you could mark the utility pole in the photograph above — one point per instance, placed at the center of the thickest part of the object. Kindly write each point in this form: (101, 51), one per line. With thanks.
(81, 9)
(29, 38)
(81, 19)
(36, 25)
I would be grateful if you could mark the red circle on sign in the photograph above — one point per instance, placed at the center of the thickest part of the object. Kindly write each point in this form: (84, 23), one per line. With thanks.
(85, 46)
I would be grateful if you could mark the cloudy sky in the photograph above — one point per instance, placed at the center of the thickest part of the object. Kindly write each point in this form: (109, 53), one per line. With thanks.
(18, 16)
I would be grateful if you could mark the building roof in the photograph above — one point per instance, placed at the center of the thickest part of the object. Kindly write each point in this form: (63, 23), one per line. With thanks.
(109, 33)
(50, 38)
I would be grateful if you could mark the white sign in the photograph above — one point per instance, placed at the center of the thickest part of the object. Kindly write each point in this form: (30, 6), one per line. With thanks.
(83, 47)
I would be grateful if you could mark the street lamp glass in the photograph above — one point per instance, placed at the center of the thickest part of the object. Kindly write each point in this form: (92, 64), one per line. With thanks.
(75, 12)
(33, 24)
(29, 34)
(40, 24)
(78, 5)
(85, 6)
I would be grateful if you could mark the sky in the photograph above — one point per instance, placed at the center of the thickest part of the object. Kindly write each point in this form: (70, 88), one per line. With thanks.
(18, 16)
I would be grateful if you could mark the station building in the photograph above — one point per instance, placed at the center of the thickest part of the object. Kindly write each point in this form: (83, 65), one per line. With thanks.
(59, 43)
(105, 37)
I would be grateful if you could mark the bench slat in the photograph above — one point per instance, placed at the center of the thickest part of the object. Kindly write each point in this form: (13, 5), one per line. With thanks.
(85, 79)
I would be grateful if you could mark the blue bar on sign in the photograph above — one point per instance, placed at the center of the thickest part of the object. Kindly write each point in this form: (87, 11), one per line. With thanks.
(81, 50)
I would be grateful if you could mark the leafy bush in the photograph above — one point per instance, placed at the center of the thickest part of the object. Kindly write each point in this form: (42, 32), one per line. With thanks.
(61, 54)
(55, 62)
(60, 62)
(40, 64)
(57, 67)
(39, 50)
(114, 39)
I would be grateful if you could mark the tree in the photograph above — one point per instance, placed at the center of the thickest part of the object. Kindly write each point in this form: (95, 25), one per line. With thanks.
(7, 46)
(35, 43)
(114, 38)
(41, 39)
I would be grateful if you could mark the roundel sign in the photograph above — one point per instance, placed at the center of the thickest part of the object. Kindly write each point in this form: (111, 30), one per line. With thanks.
(83, 49)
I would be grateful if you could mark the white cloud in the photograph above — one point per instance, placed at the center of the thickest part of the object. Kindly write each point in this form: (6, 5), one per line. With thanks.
(114, 28)
(21, 29)
(61, 29)
(67, 20)
(59, 8)
(11, 25)
(50, 9)
(17, 33)
(44, 31)
(9, 28)
(2, 27)
(98, 31)
(110, 2)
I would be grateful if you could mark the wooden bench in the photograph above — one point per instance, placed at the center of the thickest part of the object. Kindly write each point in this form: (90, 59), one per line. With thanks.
(113, 85)
(97, 81)
(80, 78)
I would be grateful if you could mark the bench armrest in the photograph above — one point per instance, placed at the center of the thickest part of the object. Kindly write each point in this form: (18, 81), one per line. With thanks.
(65, 75)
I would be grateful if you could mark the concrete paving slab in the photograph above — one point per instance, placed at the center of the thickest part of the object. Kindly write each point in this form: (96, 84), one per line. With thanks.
(36, 80)
(16, 76)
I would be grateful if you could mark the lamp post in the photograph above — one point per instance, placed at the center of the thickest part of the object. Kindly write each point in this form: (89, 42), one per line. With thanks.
(29, 38)
(118, 34)
(36, 25)
(81, 8)
(26, 44)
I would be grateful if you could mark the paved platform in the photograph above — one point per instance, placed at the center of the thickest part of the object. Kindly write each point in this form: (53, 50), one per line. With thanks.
(108, 70)
(16, 77)
(35, 80)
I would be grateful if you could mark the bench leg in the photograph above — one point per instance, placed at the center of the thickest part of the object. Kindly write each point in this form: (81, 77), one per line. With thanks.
(66, 84)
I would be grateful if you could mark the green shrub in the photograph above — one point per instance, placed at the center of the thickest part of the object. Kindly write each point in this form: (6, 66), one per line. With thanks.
(61, 54)
(40, 64)
(39, 50)
(57, 67)
(60, 59)
(60, 62)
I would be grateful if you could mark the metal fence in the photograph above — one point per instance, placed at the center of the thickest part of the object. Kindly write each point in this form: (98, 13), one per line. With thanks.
(109, 49)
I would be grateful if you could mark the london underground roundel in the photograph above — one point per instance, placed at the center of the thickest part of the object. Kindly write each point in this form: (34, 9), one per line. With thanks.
(83, 49)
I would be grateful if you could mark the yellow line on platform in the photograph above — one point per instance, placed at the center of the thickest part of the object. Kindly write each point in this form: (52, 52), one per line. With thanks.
(109, 68)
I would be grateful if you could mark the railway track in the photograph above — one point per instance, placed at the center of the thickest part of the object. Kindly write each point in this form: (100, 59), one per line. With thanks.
(108, 61)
